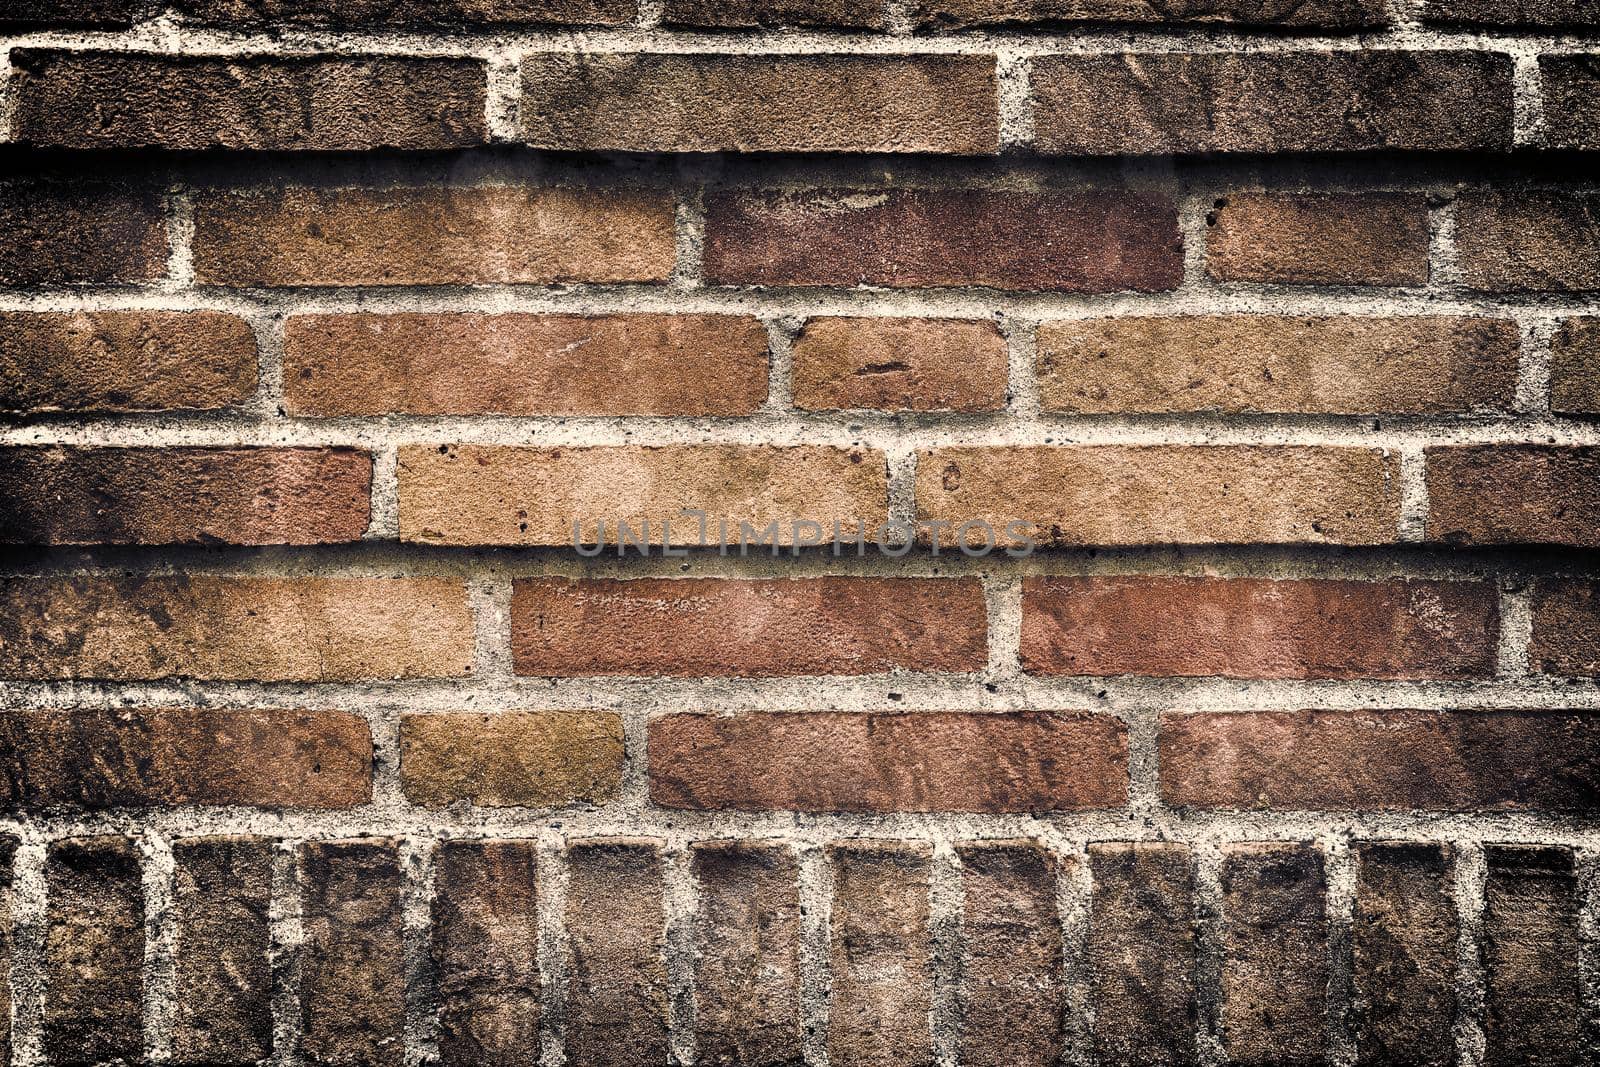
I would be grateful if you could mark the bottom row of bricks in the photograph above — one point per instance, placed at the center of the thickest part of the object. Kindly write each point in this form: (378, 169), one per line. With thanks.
(1138, 962)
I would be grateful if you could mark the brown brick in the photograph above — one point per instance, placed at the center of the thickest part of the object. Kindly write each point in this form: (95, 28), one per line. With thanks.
(1319, 239)
(507, 495)
(1181, 102)
(1514, 494)
(1536, 14)
(511, 758)
(8, 855)
(1571, 86)
(94, 951)
(469, 364)
(1536, 241)
(900, 365)
(84, 758)
(1566, 627)
(1533, 1002)
(720, 627)
(706, 102)
(1088, 242)
(61, 233)
(1343, 364)
(1163, 494)
(1141, 954)
(32, 13)
(1258, 628)
(1383, 760)
(1404, 949)
(747, 953)
(139, 627)
(1011, 964)
(352, 967)
(616, 985)
(1275, 969)
(156, 496)
(898, 761)
(1266, 14)
(754, 14)
(485, 945)
(423, 14)
(880, 954)
(221, 896)
(435, 236)
(124, 360)
(1575, 367)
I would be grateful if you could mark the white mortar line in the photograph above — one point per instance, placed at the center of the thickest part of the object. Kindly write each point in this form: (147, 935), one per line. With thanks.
(267, 328)
(689, 238)
(1533, 364)
(816, 905)
(1468, 894)
(1015, 101)
(1527, 95)
(781, 335)
(681, 897)
(1209, 953)
(160, 945)
(421, 994)
(1022, 365)
(946, 900)
(1074, 906)
(1514, 657)
(489, 597)
(1413, 495)
(503, 98)
(1003, 597)
(553, 950)
(1340, 871)
(286, 938)
(30, 925)
(180, 241)
(384, 524)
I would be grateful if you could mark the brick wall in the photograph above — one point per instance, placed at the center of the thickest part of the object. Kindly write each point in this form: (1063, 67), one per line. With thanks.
(1273, 328)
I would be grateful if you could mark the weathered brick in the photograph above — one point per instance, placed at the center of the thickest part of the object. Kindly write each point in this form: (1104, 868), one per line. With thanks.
(485, 944)
(1266, 14)
(616, 985)
(1141, 954)
(470, 364)
(1514, 494)
(434, 236)
(94, 951)
(1571, 86)
(8, 856)
(1161, 494)
(124, 360)
(753, 14)
(1383, 760)
(880, 954)
(898, 761)
(1319, 239)
(900, 365)
(1275, 969)
(708, 102)
(1532, 997)
(507, 495)
(1011, 963)
(1344, 364)
(714, 627)
(1404, 951)
(1258, 627)
(1344, 101)
(41, 13)
(137, 758)
(1566, 627)
(136, 627)
(154, 496)
(222, 892)
(1537, 14)
(1091, 242)
(1529, 241)
(65, 232)
(511, 758)
(1575, 367)
(424, 14)
(352, 965)
(747, 953)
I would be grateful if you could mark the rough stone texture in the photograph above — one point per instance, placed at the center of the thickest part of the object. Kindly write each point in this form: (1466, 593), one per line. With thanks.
(432, 236)
(747, 954)
(82, 758)
(1092, 242)
(1011, 963)
(511, 758)
(1310, 239)
(468, 364)
(1164, 494)
(900, 365)
(1383, 760)
(913, 761)
(8, 855)
(1404, 955)
(40, 13)
(752, 14)
(1537, 14)
(93, 951)
(1258, 628)
(1532, 1003)
(352, 969)
(616, 981)
(1293, 15)
(881, 955)
(1511, 241)
(1575, 367)
(1141, 954)
(67, 232)
(1514, 494)
(485, 941)
(1571, 86)
(1345, 101)
(710, 627)
(1566, 627)
(1275, 969)
(705, 102)
(222, 891)
(423, 14)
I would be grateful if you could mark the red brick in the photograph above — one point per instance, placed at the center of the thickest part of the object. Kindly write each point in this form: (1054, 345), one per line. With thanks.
(93, 951)
(222, 892)
(532, 759)
(1566, 627)
(470, 364)
(420, 14)
(1529, 241)
(1533, 1000)
(1534, 14)
(616, 983)
(66, 232)
(900, 365)
(1259, 628)
(1154, 14)
(753, 14)
(1514, 494)
(1575, 367)
(899, 761)
(1404, 947)
(715, 627)
(1570, 84)
(157, 496)
(1082, 242)
(1383, 760)
(1319, 239)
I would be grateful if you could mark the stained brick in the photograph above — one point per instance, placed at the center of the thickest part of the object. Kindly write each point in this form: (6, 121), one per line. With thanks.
(900, 365)
(751, 14)
(94, 951)
(42, 13)
(1265, 14)
(1529, 241)
(1536, 14)
(511, 758)
(67, 232)
(1570, 85)
(1575, 367)
(1404, 951)
(1319, 239)
(222, 893)
(1566, 627)
(1514, 494)
(424, 14)
(1532, 996)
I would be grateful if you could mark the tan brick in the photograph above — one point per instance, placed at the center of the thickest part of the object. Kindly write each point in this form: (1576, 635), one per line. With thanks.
(222, 893)
(66, 232)
(616, 982)
(511, 758)
(93, 951)
(1514, 494)
(900, 365)
(1404, 947)
(1319, 239)
(1529, 241)
(1575, 367)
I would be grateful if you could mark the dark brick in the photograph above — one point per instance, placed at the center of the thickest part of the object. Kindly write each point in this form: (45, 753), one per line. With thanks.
(1566, 627)
(1575, 367)
(1404, 952)
(29, 14)
(617, 983)
(1292, 15)
(425, 14)
(1571, 86)
(94, 951)
(223, 976)
(61, 233)
(1534, 241)
(754, 14)
(1533, 1001)
(8, 855)
(1533, 14)
(1514, 494)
